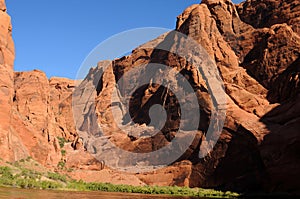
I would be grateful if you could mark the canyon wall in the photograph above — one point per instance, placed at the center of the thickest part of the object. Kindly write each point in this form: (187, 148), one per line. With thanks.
(31, 115)
(259, 63)
(6, 76)
(255, 46)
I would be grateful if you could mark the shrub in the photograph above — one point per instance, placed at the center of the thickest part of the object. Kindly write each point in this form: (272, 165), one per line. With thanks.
(28, 158)
(50, 185)
(63, 152)
(6, 173)
(57, 176)
(61, 141)
(61, 164)
(29, 174)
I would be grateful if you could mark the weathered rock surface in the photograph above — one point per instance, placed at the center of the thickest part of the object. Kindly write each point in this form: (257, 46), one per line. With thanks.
(279, 149)
(6, 82)
(259, 64)
(266, 13)
(255, 46)
(34, 119)
(41, 105)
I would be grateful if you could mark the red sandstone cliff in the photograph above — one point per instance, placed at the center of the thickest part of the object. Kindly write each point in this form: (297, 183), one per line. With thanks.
(256, 47)
(259, 65)
(31, 117)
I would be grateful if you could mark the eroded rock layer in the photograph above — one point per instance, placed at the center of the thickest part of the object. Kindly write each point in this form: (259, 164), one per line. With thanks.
(258, 61)
(255, 47)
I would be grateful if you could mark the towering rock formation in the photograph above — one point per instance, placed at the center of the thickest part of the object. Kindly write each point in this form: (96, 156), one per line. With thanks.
(7, 55)
(31, 115)
(259, 64)
(261, 14)
(255, 46)
(38, 105)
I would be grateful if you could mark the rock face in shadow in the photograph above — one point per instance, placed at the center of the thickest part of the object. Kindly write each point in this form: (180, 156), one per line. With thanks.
(279, 148)
(255, 46)
(266, 13)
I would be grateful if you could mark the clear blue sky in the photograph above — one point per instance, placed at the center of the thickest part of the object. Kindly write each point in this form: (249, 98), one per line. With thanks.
(56, 35)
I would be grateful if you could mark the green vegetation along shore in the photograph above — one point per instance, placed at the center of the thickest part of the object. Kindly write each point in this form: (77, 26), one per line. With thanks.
(15, 175)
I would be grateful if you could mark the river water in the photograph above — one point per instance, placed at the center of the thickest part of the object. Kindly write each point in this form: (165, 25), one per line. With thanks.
(43, 194)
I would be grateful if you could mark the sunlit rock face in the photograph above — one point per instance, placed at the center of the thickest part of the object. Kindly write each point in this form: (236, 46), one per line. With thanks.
(31, 115)
(257, 58)
(6, 75)
(255, 47)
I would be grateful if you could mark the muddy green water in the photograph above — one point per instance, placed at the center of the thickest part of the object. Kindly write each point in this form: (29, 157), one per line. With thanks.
(42, 194)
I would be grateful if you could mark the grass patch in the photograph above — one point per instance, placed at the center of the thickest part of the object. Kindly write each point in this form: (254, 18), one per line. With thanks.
(26, 178)
(29, 174)
(57, 177)
(176, 191)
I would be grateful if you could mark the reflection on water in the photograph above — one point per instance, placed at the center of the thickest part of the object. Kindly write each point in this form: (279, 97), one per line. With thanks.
(42, 194)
